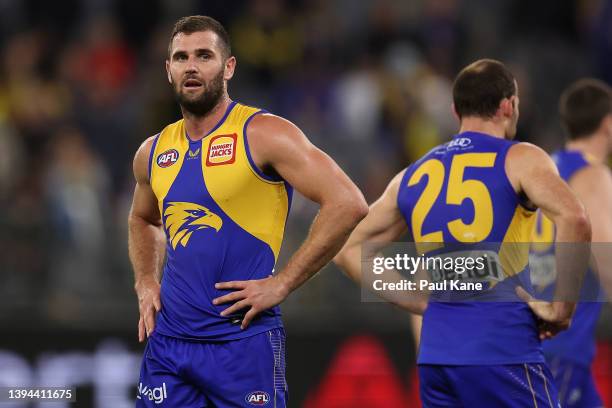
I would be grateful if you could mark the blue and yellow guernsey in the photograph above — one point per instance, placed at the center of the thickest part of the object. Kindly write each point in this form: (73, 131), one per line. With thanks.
(459, 194)
(224, 220)
(577, 344)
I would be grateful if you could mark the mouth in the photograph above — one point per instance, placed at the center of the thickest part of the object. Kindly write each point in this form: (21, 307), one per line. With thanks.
(192, 84)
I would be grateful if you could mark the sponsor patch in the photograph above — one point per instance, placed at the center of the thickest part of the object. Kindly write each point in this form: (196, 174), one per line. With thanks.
(258, 398)
(222, 150)
(460, 142)
(167, 158)
(155, 394)
(193, 154)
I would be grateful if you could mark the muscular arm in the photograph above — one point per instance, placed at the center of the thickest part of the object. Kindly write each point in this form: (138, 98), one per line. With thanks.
(279, 145)
(533, 172)
(383, 225)
(146, 242)
(593, 186)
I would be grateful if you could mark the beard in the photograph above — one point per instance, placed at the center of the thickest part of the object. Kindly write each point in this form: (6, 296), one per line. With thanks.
(200, 105)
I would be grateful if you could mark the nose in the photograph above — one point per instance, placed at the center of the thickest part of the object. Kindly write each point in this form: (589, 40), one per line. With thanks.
(191, 66)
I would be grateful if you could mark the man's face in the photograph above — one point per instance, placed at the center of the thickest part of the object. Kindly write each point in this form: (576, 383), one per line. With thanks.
(198, 70)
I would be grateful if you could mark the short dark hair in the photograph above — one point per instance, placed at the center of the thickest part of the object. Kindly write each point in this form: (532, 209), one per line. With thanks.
(480, 87)
(583, 105)
(194, 24)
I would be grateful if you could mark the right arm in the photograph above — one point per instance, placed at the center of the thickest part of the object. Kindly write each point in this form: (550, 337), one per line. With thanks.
(532, 172)
(146, 243)
(383, 224)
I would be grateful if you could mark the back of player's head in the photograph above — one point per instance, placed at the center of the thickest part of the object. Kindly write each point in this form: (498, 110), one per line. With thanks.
(584, 105)
(480, 87)
(194, 24)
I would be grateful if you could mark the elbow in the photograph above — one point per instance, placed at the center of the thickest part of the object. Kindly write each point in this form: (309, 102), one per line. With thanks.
(357, 209)
(579, 222)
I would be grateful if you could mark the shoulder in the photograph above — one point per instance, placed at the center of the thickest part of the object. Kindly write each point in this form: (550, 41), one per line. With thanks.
(274, 135)
(594, 175)
(524, 149)
(142, 157)
(267, 125)
(525, 155)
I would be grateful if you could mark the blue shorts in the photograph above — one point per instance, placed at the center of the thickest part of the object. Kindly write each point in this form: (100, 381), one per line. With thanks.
(249, 372)
(575, 384)
(499, 386)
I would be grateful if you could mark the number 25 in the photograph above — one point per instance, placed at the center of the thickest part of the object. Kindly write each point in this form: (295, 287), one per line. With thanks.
(458, 190)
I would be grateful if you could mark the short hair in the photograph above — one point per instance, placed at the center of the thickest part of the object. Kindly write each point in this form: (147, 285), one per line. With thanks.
(583, 105)
(194, 24)
(480, 87)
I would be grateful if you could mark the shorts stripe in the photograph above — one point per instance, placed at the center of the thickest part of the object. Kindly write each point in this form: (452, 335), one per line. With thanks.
(277, 342)
(535, 403)
(546, 386)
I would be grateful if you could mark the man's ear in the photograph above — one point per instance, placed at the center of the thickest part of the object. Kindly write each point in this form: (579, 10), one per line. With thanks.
(455, 112)
(506, 106)
(168, 71)
(230, 66)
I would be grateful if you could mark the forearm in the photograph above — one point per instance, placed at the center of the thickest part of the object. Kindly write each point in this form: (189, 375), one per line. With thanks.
(603, 265)
(351, 261)
(572, 259)
(330, 230)
(146, 245)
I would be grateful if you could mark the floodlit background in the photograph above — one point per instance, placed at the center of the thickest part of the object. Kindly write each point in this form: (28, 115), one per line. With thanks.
(82, 84)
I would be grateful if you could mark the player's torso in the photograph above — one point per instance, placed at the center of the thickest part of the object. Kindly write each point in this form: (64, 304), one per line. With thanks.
(576, 344)
(459, 196)
(224, 220)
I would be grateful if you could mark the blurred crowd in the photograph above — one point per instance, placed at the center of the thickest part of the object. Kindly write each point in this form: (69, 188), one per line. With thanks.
(82, 84)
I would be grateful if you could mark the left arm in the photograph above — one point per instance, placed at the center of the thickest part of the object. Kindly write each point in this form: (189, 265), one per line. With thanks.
(593, 186)
(278, 145)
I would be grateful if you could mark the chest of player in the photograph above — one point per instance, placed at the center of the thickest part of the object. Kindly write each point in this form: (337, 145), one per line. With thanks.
(199, 170)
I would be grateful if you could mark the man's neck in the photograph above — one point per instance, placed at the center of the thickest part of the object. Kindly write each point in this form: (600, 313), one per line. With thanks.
(595, 146)
(490, 127)
(198, 127)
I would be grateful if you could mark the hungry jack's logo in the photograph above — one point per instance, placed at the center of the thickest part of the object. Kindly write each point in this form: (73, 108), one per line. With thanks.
(182, 219)
(222, 150)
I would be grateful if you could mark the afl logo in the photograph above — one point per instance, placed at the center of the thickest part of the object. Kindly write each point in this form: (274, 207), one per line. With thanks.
(460, 142)
(167, 158)
(258, 398)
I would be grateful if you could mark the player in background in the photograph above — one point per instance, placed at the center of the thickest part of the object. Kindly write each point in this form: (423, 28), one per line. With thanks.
(213, 201)
(586, 113)
(480, 187)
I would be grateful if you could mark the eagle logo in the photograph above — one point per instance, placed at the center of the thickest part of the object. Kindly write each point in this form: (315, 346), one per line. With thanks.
(182, 219)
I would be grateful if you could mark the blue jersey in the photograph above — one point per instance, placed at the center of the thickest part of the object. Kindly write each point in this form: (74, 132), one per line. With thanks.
(224, 220)
(459, 193)
(578, 343)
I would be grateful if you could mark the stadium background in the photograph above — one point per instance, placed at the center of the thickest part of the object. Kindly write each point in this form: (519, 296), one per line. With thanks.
(82, 84)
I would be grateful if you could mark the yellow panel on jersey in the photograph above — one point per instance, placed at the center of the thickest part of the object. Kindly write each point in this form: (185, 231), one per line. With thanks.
(167, 157)
(514, 258)
(257, 204)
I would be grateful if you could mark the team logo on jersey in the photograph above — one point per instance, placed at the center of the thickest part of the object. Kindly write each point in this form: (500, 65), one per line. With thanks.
(222, 150)
(258, 398)
(167, 158)
(193, 154)
(183, 219)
